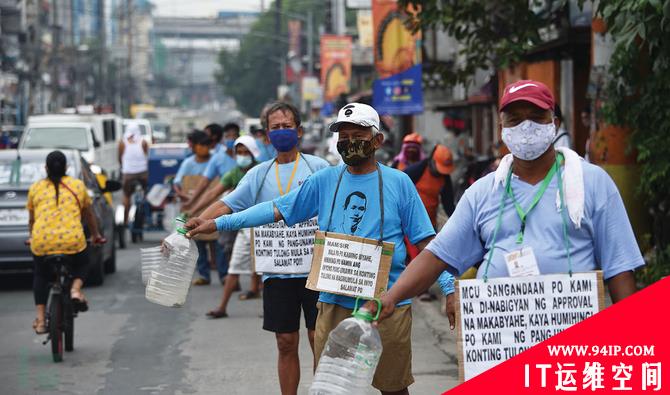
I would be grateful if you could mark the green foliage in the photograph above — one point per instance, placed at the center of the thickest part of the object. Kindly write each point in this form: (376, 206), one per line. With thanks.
(493, 34)
(638, 92)
(657, 267)
(252, 74)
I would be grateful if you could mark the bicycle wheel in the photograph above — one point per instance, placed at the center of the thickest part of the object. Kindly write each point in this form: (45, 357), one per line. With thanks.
(68, 328)
(56, 327)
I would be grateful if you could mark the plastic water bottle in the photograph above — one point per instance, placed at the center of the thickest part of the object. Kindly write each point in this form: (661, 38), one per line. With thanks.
(152, 258)
(169, 284)
(350, 358)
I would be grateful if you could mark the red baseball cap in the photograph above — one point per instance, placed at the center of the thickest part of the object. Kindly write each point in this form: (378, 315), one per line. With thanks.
(530, 91)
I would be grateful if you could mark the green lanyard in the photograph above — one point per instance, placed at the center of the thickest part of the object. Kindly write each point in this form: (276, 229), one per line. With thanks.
(523, 215)
(555, 169)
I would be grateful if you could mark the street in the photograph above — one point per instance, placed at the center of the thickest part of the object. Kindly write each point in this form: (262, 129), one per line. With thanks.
(126, 345)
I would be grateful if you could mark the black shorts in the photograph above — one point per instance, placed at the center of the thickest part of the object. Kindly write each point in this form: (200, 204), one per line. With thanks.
(282, 300)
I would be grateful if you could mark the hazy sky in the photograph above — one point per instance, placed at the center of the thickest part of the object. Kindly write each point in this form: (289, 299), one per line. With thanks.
(204, 7)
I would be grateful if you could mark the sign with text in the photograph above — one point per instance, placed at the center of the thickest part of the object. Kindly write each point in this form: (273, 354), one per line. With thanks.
(503, 317)
(277, 248)
(335, 65)
(350, 265)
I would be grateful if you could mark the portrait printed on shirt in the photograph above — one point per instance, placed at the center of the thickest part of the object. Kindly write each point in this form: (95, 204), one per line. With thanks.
(353, 212)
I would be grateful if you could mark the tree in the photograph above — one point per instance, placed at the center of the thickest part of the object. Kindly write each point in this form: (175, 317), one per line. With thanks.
(493, 34)
(638, 96)
(252, 74)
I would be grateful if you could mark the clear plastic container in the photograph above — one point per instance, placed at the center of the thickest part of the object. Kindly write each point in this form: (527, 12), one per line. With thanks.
(350, 358)
(169, 284)
(152, 258)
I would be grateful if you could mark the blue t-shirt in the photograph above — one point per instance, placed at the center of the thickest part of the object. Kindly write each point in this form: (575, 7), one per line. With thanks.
(220, 164)
(268, 151)
(357, 212)
(263, 177)
(190, 167)
(604, 241)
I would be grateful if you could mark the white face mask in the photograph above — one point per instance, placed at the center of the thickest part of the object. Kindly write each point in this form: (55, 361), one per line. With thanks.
(244, 161)
(528, 140)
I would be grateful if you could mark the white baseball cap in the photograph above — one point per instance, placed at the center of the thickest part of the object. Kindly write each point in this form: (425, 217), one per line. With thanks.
(358, 114)
(250, 143)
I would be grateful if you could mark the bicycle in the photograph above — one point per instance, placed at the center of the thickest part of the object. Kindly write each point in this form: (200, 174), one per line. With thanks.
(60, 309)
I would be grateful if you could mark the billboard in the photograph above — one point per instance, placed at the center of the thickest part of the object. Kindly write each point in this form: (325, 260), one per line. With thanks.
(335, 65)
(397, 53)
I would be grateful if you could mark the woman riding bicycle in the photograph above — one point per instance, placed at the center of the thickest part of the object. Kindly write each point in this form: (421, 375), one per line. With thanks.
(57, 205)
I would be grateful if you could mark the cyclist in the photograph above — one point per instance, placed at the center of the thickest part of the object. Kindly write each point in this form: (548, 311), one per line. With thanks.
(57, 205)
(133, 151)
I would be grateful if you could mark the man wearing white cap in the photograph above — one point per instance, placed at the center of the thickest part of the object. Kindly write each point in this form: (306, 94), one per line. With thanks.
(284, 295)
(361, 198)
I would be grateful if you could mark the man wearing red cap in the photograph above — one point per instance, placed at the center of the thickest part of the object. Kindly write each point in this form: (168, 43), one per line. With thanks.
(578, 224)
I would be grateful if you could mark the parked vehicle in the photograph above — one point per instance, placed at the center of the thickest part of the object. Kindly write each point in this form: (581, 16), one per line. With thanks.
(145, 128)
(15, 256)
(96, 136)
(10, 135)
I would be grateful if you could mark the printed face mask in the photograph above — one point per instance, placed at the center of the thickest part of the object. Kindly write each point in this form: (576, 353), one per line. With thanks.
(244, 161)
(528, 140)
(355, 152)
(284, 140)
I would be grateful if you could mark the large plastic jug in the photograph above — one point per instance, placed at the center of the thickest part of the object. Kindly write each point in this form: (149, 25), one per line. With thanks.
(168, 284)
(152, 258)
(350, 358)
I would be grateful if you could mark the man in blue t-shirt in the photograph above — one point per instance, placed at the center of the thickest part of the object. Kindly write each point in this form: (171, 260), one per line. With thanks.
(522, 205)
(349, 199)
(284, 295)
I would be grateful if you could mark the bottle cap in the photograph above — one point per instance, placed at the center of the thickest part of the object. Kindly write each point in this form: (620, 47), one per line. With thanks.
(366, 315)
(182, 231)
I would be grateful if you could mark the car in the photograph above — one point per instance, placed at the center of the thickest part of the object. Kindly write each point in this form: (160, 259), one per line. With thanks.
(96, 136)
(15, 255)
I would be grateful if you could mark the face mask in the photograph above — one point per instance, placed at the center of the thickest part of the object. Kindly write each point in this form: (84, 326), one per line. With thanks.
(355, 152)
(284, 140)
(529, 140)
(244, 161)
(229, 143)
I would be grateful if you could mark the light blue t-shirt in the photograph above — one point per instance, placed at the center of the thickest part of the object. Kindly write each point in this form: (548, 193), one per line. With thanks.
(220, 164)
(263, 177)
(604, 241)
(357, 212)
(190, 167)
(268, 151)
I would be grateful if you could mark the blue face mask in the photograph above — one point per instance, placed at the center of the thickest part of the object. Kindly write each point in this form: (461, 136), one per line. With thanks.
(284, 140)
(230, 144)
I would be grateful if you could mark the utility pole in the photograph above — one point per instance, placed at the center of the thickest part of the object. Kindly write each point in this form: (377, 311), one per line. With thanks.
(280, 54)
(101, 81)
(55, 58)
(310, 42)
(129, 21)
(338, 16)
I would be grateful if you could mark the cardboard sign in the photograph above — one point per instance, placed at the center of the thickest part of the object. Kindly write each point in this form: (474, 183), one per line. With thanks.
(277, 248)
(350, 265)
(188, 185)
(502, 317)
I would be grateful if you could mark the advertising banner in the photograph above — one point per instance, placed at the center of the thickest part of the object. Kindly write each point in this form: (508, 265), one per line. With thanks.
(397, 54)
(335, 65)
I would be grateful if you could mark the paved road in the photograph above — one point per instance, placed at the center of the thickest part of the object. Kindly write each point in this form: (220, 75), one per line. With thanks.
(126, 345)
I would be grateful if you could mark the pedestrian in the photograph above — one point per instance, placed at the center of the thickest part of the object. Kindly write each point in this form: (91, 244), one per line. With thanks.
(221, 162)
(195, 165)
(284, 296)
(56, 205)
(246, 152)
(411, 152)
(517, 207)
(562, 138)
(349, 198)
(132, 154)
(431, 177)
(215, 132)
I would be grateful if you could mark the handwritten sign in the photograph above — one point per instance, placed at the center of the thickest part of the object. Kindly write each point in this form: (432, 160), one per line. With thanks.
(502, 317)
(350, 265)
(277, 248)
